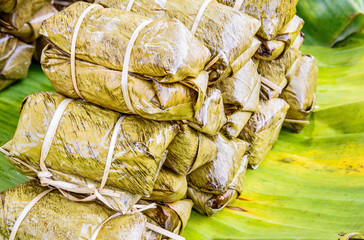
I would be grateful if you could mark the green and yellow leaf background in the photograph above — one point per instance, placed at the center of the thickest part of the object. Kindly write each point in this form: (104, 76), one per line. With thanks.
(311, 185)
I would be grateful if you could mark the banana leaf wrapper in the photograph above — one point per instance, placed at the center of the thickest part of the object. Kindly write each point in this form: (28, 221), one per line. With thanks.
(23, 12)
(277, 48)
(81, 143)
(276, 71)
(164, 50)
(62, 4)
(216, 176)
(55, 217)
(245, 57)
(300, 92)
(241, 98)
(210, 204)
(29, 32)
(150, 99)
(170, 216)
(8, 6)
(211, 116)
(169, 187)
(15, 59)
(189, 150)
(226, 32)
(40, 44)
(273, 14)
(263, 129)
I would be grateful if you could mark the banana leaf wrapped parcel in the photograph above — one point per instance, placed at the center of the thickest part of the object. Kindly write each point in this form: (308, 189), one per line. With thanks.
(165, 79)
(263, 129)
(62, 4)
(211, 116)
(226, 32)
(8, 6)
(277, 48)
(273, 14)
(55, 217)
(170, 216)
(189, 150)
(274, 72)
(169, 186)
(210, 204)
(15, 59)
(300, 93)
(29, 31)
(216, 176)
(17, 13)
(241, 98)
(245, 57)
(87, 142)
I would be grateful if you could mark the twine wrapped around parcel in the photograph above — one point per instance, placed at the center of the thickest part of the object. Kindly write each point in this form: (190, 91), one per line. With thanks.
(273, 14)
(124, 79)
(81, 139)
(45, 176)
(227, 42)
(169, 86)
(135, 209)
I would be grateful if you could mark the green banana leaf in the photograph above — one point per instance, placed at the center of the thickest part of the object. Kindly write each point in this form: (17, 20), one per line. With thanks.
(311, 186)
(338, 19)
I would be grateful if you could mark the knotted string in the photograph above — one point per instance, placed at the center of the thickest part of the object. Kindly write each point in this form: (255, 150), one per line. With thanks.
(45, 176)
(135, 209)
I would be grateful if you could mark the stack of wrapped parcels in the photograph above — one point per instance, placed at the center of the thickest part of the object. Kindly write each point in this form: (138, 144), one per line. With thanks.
(20, 21)
(160, 107)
